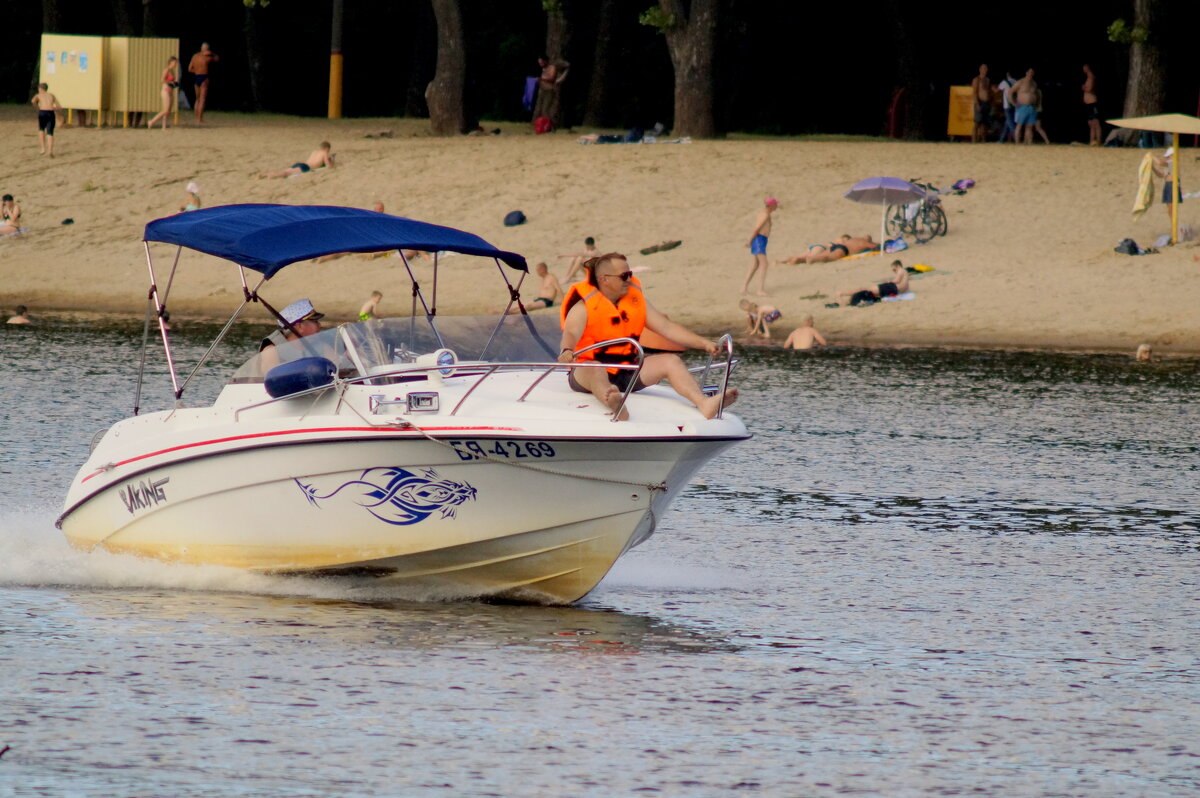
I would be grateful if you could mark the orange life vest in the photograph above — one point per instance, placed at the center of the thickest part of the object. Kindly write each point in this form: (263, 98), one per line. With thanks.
(626, 319)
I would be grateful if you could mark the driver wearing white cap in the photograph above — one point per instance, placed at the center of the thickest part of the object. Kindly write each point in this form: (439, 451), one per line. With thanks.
(304, 320)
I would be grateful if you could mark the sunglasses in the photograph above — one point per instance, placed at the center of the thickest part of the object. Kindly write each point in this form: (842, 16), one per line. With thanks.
(623, 276)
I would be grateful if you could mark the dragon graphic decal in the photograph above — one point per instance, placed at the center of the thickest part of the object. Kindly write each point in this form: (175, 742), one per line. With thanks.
(396, 495)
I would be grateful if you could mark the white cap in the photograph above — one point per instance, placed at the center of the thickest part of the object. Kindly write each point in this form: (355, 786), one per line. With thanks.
(1170, 151)
(298, 311)
(193, 187)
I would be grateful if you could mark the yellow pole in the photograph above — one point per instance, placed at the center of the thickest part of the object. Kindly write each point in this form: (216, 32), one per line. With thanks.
(1175, 189)
(335, 85)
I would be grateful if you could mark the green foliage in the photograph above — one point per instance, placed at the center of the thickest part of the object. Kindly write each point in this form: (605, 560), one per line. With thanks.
(655, 17)
(551, 5)
(1120, 32)
(258, 3)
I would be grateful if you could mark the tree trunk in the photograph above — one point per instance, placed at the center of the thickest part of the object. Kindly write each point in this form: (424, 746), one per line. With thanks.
(911, 94)
(1145, 92)
(558, 40)
(254, 56)
(423, 47)
(596, 112)
(691, 42)
(51, 23)
(447, 109)
(123, 18)
(51, 17)
(150, 19)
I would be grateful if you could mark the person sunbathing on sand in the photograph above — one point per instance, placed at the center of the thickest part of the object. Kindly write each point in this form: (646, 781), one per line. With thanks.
(318, 158)
(844, 246)
(898, 285)
(805, 336)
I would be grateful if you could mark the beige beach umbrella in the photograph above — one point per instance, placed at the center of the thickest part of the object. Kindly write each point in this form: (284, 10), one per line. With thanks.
(1173, 124)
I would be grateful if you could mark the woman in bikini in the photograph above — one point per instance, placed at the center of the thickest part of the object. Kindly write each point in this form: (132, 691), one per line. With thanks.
(169, 84)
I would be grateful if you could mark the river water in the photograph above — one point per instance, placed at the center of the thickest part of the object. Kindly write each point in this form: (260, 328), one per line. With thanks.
(929, 573)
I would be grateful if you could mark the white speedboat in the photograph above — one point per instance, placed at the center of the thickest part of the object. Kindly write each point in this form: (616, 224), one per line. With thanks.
(448, 454)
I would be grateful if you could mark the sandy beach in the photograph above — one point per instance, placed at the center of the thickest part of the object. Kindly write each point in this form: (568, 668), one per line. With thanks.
(1028, 261)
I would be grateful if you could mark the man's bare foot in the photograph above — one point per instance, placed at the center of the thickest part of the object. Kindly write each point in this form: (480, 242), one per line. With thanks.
(714, 404)
(762, 293)
(612, 400)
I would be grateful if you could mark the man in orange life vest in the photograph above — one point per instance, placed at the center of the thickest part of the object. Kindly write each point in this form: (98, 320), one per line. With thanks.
(611, 305)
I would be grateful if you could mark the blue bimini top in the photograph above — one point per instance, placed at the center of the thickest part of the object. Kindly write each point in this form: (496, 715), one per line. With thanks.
(266, 238)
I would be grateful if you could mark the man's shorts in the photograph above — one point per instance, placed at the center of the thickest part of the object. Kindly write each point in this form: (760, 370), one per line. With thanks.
(1168, 188)
(199, 80)
(621, 379)
(303, 167)
(983, 113)
(758, 245)
(46, 120)
(1093, 110)
(1026, 114)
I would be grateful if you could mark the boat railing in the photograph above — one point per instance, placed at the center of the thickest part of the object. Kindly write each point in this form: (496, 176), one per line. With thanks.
(486, 370)
(724, 342)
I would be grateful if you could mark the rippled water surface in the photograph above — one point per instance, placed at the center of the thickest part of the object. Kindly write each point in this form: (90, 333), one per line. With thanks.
(929, 573)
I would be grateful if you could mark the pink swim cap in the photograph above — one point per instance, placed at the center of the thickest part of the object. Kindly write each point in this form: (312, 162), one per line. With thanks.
(771, 201)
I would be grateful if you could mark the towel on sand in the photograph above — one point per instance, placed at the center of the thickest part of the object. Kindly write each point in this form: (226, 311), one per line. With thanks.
(1145, 192)
(900, 297)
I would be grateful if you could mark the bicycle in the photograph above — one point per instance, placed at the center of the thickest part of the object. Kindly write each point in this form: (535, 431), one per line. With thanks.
(923, 220)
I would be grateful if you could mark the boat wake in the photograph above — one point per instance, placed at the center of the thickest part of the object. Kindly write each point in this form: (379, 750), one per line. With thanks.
(33, 553)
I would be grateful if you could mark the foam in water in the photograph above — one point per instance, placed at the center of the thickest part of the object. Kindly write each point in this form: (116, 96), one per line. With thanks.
(33, 553)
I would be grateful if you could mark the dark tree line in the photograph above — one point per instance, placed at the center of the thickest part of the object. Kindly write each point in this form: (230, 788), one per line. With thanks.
(701, 67)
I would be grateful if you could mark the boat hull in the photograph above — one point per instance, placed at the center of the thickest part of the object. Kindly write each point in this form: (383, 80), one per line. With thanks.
(432, 515)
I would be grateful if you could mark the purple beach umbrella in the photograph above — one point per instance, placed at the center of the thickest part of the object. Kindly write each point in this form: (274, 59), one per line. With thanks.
(885, 191)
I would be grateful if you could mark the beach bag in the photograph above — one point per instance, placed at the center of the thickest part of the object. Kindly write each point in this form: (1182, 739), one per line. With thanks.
(1128, 247)
(514, 218)
(542, 125)
(895, 245)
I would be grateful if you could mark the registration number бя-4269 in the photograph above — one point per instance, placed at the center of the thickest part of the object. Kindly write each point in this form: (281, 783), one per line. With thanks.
(483, 450)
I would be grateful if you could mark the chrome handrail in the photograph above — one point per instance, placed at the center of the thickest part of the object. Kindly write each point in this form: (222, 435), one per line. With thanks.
(641, 361)
(727, 341)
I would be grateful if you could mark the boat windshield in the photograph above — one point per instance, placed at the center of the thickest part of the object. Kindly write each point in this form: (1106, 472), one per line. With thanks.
(368, 347)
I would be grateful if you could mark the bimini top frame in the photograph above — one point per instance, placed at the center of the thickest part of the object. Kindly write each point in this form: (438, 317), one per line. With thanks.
(267, 238)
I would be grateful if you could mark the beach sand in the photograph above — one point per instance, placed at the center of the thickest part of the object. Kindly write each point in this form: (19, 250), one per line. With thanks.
(1028, 261)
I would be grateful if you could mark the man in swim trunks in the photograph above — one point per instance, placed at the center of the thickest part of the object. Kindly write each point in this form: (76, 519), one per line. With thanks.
(318, 158)
(48, 108)
(845, 246)
(981, 90)
(199, 66)
(1026, 92)
(758, 246)
(896, 286)
(805, 336)
(548, 293)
